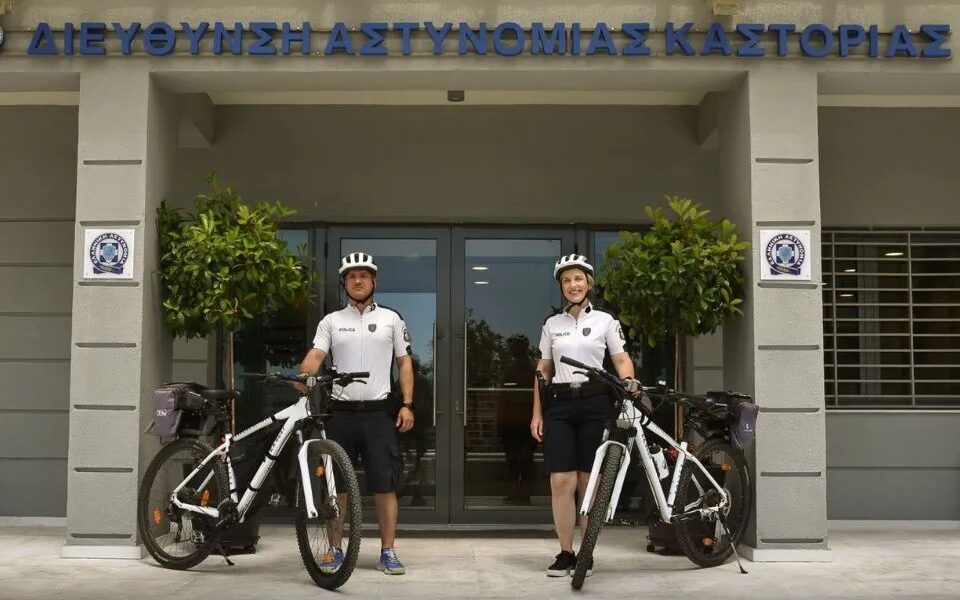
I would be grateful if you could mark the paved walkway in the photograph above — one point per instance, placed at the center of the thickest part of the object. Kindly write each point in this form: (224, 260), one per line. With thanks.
(892, 561)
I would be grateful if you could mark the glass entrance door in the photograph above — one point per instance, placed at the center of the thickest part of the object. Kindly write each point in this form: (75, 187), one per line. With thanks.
(502, 289)
(412, 280)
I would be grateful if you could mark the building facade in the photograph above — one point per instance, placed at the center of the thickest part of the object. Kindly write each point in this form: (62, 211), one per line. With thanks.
(467, 145)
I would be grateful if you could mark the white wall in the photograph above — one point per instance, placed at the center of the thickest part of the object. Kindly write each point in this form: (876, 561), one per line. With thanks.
(38, 176)
(889, 166)
(456, 164)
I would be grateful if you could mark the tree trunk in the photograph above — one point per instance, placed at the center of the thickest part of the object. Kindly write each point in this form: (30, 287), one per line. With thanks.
(678, 374)
(230, 377)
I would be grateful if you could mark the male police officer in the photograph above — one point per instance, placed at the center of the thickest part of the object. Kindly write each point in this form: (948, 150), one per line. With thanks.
(365, 337)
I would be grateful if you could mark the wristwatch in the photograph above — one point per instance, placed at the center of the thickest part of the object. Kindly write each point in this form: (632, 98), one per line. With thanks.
(407, 405)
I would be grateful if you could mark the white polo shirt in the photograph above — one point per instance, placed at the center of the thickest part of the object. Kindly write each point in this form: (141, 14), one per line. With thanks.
(365, 341)
(585, 339)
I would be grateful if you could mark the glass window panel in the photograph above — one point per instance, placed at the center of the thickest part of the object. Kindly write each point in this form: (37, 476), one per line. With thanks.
(865, 266)
(948, 281)
(866, 357)
(939, 357)
(921, 267)
(874, 327)
(937, 297)
(869, 326)
(938, 402)
(873, 372)
(503, 466)
(872, 282)
(936, 327)
(868, 240)
(873, 388)
(939, 388)
(936, 312)
(873, 401)
(872, 297)
(936, 251)
(407, 280)
(873, 312)
(951, 372)
(876, 342)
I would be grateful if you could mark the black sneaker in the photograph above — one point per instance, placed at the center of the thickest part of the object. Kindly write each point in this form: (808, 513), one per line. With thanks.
(589, 562)
(561, 567)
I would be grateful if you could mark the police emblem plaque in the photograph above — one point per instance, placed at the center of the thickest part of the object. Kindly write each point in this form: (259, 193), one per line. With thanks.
(785, 255)
(108, 253)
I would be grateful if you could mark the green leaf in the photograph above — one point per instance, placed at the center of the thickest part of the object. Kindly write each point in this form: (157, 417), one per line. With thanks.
(214, 263)
(682, 276)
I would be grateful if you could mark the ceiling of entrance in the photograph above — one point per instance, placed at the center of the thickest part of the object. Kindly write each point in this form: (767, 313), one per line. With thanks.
(494, 86)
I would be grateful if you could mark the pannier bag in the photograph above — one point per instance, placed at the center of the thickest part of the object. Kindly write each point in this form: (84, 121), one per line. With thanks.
(739, 417)
(170, 402)
(744, 428)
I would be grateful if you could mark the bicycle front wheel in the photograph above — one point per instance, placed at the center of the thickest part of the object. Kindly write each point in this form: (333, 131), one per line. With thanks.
(176, 538)
(329, 543)
(598, 512)
(702, 538)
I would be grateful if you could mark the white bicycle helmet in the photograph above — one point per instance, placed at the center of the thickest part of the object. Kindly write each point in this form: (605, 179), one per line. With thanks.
(569, 261)
(357, 260)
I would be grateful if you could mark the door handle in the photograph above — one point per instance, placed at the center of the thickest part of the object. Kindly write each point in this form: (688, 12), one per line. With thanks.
(465, 385)
(434, 374)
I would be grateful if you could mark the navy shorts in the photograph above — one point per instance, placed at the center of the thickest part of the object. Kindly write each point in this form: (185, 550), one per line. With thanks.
(572, 431)
(370, 439)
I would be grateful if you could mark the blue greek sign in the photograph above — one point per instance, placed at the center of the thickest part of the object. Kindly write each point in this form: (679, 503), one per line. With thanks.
(260, 38)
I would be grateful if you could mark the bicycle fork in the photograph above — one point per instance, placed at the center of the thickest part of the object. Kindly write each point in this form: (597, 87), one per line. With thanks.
(595, 475)
(306, 482)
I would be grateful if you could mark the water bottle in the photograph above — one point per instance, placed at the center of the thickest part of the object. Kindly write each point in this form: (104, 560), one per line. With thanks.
(659, 461)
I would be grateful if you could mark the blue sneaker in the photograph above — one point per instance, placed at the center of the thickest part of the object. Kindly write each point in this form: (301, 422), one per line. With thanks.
(389, 563)
(332, 561)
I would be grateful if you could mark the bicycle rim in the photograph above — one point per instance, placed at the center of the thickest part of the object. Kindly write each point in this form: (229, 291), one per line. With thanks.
(339, 516)
(703, 540)
(176, 538)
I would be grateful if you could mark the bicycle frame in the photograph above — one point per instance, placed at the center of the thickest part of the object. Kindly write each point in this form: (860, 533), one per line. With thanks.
(629, 417)
(292, 416)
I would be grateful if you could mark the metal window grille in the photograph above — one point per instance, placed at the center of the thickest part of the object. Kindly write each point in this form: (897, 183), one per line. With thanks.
(891, 310)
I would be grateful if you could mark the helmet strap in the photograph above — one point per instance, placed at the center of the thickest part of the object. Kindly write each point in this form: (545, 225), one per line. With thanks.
(586, 299)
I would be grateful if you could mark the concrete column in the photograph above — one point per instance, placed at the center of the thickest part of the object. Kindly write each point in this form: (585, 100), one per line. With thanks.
(770, 174)
(120, 350)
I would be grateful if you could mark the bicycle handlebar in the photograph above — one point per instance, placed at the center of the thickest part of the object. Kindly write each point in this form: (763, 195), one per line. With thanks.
(617, 383)
(312, 381)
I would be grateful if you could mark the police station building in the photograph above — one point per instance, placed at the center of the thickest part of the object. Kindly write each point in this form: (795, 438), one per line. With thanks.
(466, 145)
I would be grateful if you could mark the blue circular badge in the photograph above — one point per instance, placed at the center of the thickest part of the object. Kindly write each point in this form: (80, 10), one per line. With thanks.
(108, 253)
(785, 254)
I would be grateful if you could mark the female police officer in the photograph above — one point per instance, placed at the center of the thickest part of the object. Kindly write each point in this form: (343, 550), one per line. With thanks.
(572, 426)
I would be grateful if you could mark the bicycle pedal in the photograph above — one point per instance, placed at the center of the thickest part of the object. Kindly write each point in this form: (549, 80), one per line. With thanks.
(274, 500)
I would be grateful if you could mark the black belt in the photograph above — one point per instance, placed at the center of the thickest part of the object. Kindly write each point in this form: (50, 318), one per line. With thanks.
(566, 391)
(359, 405)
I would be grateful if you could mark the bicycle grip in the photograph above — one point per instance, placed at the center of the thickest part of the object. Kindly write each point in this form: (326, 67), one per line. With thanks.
(573, 363)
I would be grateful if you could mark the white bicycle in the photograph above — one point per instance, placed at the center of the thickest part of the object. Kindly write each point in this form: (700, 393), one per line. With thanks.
(709, 496)
(190, 493)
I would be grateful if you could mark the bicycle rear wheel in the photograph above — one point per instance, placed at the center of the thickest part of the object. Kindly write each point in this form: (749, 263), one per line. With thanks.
(175, 538)
(598, 512)
(339, 516)
(702, 539)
